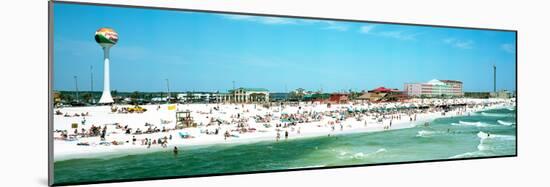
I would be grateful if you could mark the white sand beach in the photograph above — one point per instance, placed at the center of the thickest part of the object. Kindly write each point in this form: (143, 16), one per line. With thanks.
(245, 123)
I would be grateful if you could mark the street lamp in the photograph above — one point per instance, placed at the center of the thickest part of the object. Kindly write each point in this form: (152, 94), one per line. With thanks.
(76, 86)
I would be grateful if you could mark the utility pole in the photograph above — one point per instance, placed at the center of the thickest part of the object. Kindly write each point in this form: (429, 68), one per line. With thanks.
(494, 78)
(168, 88)
(92, 83)
(76, 86)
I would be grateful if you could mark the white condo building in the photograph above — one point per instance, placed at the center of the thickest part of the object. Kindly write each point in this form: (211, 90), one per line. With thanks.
(434, 88)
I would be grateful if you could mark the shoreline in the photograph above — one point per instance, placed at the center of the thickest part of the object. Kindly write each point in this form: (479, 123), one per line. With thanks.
(67, 150)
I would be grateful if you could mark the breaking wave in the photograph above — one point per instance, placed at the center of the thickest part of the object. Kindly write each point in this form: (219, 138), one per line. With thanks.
(488, 144)
(362, 155)
(488, 141)
(483, 135)
(467, 123)
(469, 154)
(507, 123)
(312, 166)
(425, 133)
(494, 114)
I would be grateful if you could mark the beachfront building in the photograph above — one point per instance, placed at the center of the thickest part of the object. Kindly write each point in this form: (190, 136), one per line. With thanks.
(434, 88)
(201, 97)
(382, 94)
(477, 95)
(316, 97)
(244, 95)
(503, 94)
(279, 97)
(338, 98)
(298, 94)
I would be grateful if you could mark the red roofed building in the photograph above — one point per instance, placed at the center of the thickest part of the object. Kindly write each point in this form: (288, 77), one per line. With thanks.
(382, 94)
(383, 90)
(338, 98)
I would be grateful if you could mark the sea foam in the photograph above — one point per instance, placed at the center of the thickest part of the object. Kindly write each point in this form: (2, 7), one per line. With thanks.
(467, 123)
(469, 155)
(494, 114)
(488, 140)
(362, 155)
(425, 133)
(484, 135)
(505, 122)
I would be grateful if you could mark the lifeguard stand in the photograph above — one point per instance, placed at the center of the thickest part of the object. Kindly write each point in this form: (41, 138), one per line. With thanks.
(184, 120)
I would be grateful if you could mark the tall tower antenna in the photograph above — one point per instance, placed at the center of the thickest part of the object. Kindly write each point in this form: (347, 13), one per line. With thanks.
(106, 38)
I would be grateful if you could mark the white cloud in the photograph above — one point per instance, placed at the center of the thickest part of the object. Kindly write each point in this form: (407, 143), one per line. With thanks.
(366, 28)
(400, 35)
(275, 20)
(323, 24)
(509, 48)
(463, 44)
(394, 34)
(261, 19)
(336, 26)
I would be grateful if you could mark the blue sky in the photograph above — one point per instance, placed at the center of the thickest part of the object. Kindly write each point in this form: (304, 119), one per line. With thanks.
(207, 51)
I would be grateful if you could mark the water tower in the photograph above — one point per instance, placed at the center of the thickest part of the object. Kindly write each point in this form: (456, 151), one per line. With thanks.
(106, 38)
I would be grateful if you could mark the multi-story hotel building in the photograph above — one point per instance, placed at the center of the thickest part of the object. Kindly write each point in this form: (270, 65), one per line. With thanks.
(434, 88)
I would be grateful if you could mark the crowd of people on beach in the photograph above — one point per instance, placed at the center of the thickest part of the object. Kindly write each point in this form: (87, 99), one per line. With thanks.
(275, 119)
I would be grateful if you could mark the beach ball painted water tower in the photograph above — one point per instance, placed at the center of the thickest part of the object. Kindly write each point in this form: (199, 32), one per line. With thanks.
(106, 38)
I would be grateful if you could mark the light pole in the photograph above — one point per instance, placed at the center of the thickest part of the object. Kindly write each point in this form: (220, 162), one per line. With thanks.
(168, 89)
(76, 86)
(494, 78)
(92, 83)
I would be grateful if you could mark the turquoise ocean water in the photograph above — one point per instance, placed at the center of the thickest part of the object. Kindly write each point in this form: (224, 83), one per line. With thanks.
(483, 134)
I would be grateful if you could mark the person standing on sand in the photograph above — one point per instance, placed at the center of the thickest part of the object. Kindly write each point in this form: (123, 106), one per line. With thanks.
(104, 132)
(225, 135)
(278, 136)
(286, 135)
(134, 140)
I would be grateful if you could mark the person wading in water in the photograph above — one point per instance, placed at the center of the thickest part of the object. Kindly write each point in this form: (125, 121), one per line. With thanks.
(175, 150)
